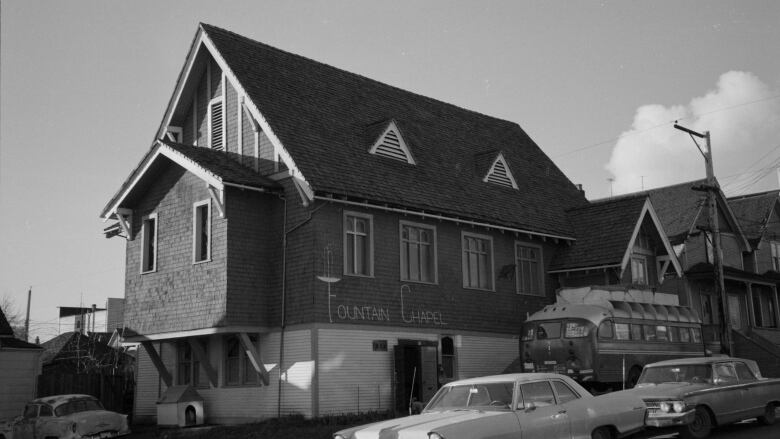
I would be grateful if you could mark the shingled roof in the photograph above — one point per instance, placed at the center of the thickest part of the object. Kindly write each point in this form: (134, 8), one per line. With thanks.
(603, 230)
(327, 119)
(753, 211)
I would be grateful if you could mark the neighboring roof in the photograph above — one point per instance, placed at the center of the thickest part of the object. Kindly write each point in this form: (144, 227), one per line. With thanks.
(753, 212)
(216, 167)
(7, 339)
(323, 115)
(5, 327)
(603, 230)
(75, 345)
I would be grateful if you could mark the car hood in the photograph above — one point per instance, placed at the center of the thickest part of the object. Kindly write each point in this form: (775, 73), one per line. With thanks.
(666, 390)
(95, 421)
(416, 426)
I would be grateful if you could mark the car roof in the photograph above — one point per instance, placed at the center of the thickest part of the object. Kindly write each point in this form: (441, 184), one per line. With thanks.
(697, 360)
(55, 400)
(508, 377)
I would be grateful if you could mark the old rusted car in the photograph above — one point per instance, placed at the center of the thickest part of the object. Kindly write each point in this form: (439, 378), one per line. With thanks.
(522, 406)
(694, 395)
(65, 417)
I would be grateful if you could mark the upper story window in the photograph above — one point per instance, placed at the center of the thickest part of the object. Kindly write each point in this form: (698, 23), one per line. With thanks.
(418, 252)
(149, 243)
(775, 246)
(358, 244)
(216, 124)
(201, 227)
(477, 261)
(528, 263)
(639, 270)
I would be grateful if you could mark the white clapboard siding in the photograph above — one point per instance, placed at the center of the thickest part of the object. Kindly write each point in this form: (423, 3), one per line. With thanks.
(146, 386)
(17, 380)
(297, 373)
(478, 356)
(352, 377)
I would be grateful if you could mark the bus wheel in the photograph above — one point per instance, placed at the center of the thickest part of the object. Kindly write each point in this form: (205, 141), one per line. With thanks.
(700, 427)
(601, 433)
(633, 377)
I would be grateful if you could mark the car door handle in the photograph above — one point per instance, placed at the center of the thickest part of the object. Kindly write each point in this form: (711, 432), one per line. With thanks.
(562, 412)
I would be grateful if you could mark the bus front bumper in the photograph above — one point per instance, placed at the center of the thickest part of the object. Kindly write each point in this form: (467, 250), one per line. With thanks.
(659, 419)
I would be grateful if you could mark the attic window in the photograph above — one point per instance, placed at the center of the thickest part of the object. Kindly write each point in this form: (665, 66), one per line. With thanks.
(500, 174)
(216, 128)
(391, 145)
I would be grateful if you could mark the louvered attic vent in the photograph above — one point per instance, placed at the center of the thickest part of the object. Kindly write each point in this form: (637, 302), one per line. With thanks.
(216, 126)
(391, 145)
(500, 174)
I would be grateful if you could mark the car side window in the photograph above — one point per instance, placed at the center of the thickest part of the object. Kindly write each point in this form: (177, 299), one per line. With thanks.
(539, 393)
(744, 373)
(565, 393)
(45, 411)
(30, 411)
(724, 372)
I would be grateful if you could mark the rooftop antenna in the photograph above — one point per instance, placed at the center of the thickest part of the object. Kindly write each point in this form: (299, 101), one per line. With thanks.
(327, 277)
(611, 180)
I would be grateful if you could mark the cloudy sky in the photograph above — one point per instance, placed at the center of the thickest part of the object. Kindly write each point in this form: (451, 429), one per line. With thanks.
(597, 84)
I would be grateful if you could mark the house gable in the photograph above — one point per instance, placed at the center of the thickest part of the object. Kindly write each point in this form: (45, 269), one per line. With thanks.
(391, 144)
(500, 174)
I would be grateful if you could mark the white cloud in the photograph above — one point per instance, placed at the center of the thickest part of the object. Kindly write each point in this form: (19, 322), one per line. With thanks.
(743, 119)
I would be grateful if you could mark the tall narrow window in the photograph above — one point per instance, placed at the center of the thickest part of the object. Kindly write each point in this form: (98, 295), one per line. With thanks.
(477, 261)
(775, 246)
(202, 231)
(529, 269)
(149, 243)
(358, 258)
(418, 253)
(233, 361)
(216, 125)
(447, 358)
(639, 270)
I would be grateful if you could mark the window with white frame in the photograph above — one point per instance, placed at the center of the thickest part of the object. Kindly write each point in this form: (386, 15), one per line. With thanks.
(639, 270)
(775, 248)
(216, 124)
(238, 367)
(358, 244)
(149, 243)
(201, 227)
(528, 263)
(477, 261)
(418, 252)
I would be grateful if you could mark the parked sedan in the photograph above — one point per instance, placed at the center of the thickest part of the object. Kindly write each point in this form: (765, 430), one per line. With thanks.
(66, 417)
(521, 406)
(694, 395)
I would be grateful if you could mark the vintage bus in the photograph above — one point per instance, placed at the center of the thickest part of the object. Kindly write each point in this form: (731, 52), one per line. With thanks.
(604, 344)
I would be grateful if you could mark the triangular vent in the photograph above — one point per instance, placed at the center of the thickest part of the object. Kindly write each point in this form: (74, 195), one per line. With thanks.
(500, 174)
(391, 145)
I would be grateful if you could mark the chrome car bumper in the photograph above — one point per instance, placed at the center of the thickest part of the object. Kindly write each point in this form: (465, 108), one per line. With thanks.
(659, 419)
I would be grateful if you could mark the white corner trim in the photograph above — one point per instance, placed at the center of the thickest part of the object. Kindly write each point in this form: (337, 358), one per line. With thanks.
(218, 197)
(647, 209)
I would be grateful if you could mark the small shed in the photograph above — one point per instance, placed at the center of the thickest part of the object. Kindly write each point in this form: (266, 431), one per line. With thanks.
(20, 366)
(180, 406)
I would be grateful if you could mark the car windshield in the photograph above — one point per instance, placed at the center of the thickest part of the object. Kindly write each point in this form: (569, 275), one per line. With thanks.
(77, 405)
(688, 373)
(487, 396)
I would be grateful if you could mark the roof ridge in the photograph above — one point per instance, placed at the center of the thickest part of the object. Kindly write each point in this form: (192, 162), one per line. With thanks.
(207, 26)
(775, 192)
(648, 192)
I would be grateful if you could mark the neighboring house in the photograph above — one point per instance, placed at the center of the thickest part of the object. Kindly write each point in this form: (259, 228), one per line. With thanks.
(302, 239)
(74, 352)
(19, 363)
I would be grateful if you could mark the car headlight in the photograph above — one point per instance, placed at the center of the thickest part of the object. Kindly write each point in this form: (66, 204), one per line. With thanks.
(678, 406)
(338, 436)
(434, 435)
(664, 407)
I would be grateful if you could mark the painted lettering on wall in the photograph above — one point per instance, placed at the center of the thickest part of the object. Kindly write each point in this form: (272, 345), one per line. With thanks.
(346, 312)
(419, 316)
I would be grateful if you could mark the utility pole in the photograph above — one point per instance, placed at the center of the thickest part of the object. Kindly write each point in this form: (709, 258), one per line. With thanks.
(712, 190)
(27, 319)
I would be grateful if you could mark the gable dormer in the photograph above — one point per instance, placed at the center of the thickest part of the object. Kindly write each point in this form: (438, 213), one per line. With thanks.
(391, 144)
(500, 174)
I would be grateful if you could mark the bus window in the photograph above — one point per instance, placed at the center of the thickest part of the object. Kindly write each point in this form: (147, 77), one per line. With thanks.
(548, 330)
(622, 332)
(605, 329)
(576, 329)
(636, 332)
(650, 333)
(528, 331)
(661, 333)
(696, 335)
(674, 333)
(685, 335)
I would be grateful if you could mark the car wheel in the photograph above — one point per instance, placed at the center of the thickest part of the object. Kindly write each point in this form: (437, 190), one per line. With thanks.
(701, 426)
(601, 433)
(768, 418)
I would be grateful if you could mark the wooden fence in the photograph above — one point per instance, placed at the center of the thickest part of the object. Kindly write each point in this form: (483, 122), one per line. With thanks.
(115, 392)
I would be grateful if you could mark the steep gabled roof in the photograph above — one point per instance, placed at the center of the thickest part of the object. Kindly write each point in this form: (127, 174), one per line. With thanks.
(753, 213)
(215, 167)
(5, 327)
(320, 115)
